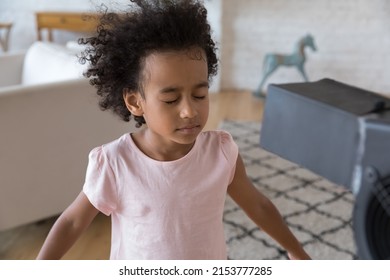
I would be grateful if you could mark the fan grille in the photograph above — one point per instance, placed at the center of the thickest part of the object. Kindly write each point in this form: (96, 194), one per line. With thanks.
(377, 221)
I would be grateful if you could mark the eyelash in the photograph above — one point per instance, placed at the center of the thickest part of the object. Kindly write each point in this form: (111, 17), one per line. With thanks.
(174, 101)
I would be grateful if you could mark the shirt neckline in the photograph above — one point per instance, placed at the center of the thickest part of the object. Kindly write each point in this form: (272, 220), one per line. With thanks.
(136, 149)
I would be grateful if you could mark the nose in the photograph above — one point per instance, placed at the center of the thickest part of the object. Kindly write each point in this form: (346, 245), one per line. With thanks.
(188, 109)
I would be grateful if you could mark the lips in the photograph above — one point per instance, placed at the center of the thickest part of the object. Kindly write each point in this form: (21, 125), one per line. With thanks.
(189, 128)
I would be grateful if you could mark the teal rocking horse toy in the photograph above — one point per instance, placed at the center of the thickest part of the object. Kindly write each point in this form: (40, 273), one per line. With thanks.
(272, 61)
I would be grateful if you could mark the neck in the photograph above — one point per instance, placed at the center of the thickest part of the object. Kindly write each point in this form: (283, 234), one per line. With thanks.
(159, 149)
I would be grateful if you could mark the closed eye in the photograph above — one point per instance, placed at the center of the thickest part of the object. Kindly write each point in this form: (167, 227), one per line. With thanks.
(171, 102)
(200, 97)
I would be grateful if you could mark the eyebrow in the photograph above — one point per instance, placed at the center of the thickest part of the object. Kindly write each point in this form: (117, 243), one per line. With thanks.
(172, 89)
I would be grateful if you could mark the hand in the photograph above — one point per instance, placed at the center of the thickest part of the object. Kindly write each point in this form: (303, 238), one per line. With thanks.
(302, 256)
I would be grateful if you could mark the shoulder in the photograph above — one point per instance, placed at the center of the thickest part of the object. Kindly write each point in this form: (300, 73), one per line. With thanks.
(109, 150)
(221, 139)
(216, 135)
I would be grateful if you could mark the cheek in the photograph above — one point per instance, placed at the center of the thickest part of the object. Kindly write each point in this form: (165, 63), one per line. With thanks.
(205, 109)
(159, 114)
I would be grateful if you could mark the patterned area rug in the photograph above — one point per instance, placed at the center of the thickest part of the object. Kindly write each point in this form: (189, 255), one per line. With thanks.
(316, 210)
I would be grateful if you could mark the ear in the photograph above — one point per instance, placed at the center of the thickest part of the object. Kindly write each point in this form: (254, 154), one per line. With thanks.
(133, 102)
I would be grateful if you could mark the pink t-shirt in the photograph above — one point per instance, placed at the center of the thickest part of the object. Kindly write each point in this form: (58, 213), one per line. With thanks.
(163, 209)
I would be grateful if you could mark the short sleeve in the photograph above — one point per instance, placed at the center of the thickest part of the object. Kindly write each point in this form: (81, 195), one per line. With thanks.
(230, 150)
(99, 185)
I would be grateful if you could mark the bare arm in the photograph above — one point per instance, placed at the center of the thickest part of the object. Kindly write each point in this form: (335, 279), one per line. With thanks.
(67, 229)
(263, 212)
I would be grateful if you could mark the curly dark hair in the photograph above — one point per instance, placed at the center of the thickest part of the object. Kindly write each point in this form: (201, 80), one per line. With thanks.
(123, 40)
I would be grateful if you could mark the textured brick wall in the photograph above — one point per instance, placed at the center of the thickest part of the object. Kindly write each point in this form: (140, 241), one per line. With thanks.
(352, 36)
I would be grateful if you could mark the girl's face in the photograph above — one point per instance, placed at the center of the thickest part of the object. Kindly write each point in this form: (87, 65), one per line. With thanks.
(176, 102)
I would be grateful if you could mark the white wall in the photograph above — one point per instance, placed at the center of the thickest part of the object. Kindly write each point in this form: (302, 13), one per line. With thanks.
(22, 14)
(214, 12)
(352, 36)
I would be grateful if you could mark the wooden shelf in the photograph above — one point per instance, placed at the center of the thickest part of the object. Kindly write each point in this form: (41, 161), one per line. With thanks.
(4, 36)
(69, 21)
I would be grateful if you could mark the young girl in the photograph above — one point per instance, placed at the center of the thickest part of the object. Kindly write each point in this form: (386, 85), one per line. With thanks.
(165, 185)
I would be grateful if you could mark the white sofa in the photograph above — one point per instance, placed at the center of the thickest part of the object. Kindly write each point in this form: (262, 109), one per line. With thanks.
(47, 128)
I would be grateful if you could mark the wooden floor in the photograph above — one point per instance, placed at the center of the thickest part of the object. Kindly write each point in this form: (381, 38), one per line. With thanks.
(24, 242)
